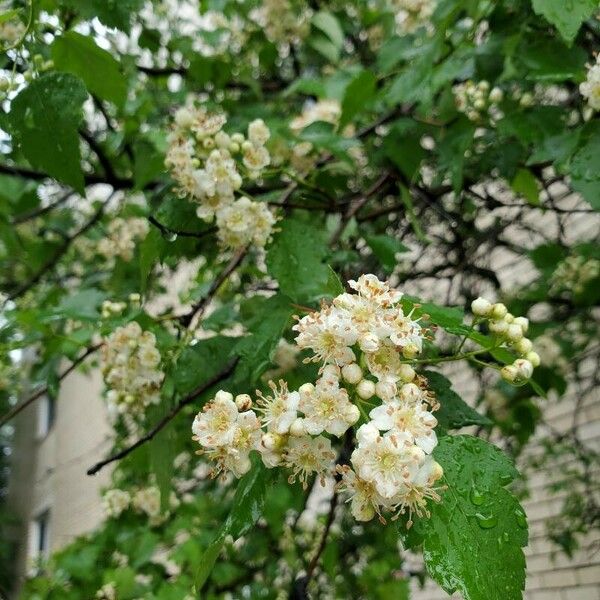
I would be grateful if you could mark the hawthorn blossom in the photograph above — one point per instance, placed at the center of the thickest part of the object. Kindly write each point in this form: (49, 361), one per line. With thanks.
(307, 455)
(279, 409)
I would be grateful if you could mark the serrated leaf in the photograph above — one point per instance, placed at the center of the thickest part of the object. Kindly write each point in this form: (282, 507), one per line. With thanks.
(82, 305)
(385, 248)
(296, 259)
(473, 540)
(99, 70)
(44, 118)
(566, 15)
(246, 510)
(201, 362)
(454, 412)
(359, 93)
(112, 13)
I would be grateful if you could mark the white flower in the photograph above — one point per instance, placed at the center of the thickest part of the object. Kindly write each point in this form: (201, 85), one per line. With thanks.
(410, 418)
(327, 408)
(216, 424)
(327, 110)
(279, 410)
(115, 502)
(365, 501)
(419, 489)
(122, 236)
(244, 222)
(147, 500)
(255, 157)
(387, 462)
(329, 334)
(307, 455)
(258, 132)
(385, 363)
(379, 292)
(590, 88)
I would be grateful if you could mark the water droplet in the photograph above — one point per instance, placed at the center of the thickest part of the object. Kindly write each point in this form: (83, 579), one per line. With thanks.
(521, 518)
(486, 521)
(170, 236)
(477, 497)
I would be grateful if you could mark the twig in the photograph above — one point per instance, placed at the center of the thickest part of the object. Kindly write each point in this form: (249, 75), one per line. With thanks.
(38, 212)
(166, 419)
(167, 230)
(17, 408)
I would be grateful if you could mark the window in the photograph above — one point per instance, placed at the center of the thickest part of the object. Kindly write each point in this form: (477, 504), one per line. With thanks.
(39, 541)
(46, 415)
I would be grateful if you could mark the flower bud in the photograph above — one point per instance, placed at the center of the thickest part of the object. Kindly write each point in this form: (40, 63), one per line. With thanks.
(514, 333)
(481, 307)
(223, 396)
(498, 311)
(271, 441)
(406, 373)
(246, 146)
(498, 327)
(533, 358)
(496, 95)
(243, 402)
(523, 322)
(523, 346)
(297, 428)
(238, 138)
(352, 414)
(352, 373)
(410, 351)
(306, 388)
(368, 342)
(509, 373)
(331, 372)
(365, 389)
(410, 392)
(509, 317)
(524, 368)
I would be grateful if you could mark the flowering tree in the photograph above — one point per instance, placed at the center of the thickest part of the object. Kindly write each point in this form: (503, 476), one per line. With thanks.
(271, 225)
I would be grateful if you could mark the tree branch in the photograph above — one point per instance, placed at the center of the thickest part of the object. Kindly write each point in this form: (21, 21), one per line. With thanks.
(166, 419)
(17, 408)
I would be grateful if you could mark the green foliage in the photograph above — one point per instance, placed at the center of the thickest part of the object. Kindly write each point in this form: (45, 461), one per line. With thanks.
(473, 540)
(567, 17)
(44, 118)
(101, 73)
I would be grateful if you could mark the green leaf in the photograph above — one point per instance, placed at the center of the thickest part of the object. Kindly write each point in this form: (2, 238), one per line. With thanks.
(246, 510)
(44, 118)
(100, 71)
(268, 325)
(359, 93)
(525, 184)
(566, 15)
(385, 248)
(473, 541)
(83, 305)
(296, 259)
(330, 26)
(162, 454)
(548, 59)
(201, 362)
(585, 168)
(454, 412)
(112, 13)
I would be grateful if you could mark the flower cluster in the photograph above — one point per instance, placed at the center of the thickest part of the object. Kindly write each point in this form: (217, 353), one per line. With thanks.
(476, 100)
(412, 14)
(144, 500)
(130, 365)
(509, 330)
(206, 163)
(574, 273)
(283, 23)
(391, 467)
(590, 88)
(122, 236)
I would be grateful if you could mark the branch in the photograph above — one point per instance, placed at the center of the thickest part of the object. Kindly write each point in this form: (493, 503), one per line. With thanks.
(167, 230)
(22, 218)
(200, 306)
(167, 418)
(17, 408)
(62, 249)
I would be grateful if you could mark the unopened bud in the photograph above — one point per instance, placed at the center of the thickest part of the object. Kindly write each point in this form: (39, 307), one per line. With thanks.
(524, 367)
(514, 333)
(243, 402)
(406, 373)
(523, 322)
(410, 351)
(533, 358)
(481, 307)
(352, 373)
(223, 396)
(523, 346)
(365, 389)
(306, 388)
(297, 428)
(498, 327)
(509, 373)
(386, 390)
(499, 311)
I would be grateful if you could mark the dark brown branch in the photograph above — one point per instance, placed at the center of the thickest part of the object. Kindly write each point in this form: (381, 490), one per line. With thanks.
(17, 408)
(166, 419)
(167, 230)
(38, 212)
